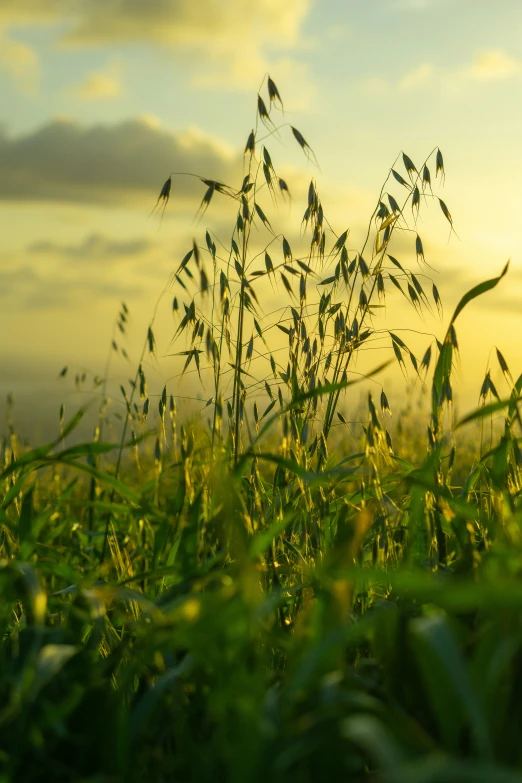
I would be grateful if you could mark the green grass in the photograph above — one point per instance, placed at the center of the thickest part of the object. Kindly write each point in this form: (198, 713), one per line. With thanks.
(258, 597)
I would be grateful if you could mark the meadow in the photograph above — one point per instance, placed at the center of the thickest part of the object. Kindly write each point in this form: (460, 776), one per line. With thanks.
(251, 594)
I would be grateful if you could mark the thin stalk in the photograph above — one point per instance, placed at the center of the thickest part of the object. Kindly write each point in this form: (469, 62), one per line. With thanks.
(334, 398)
(129, 409)
(239, 352)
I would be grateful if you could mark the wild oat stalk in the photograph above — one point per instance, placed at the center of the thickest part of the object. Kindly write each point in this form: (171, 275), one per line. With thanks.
(325, 328)
(303, 615)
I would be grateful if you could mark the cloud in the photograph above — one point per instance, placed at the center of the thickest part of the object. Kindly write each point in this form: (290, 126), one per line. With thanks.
(13, 12)
(237, 38)
(247, 72)
(12, 279)
(487, 66)
(24, 287)
(100, 85)
(417, 77)
(20, 62)
(66, 161)
(237, 29)
(94, 247)
(493, 64)
(413, 79)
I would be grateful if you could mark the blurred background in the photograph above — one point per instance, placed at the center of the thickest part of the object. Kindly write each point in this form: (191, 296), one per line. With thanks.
(101, 101)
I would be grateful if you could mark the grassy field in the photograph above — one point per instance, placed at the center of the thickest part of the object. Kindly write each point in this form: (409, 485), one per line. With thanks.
(249, 595)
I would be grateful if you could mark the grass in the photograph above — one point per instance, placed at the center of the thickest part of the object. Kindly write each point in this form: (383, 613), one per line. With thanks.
(260, 598)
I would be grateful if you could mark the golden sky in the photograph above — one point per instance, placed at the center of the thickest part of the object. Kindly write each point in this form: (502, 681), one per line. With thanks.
(102, 99)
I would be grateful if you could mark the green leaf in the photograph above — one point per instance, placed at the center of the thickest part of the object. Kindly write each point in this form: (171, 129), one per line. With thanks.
(330, 388)
(42, 451)
(480, 289)
(26, 516)
(443, 368)
(452, 700)
(487, 410)
(262, 540)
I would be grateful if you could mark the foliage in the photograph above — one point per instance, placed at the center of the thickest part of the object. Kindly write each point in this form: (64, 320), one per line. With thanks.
(244, 602)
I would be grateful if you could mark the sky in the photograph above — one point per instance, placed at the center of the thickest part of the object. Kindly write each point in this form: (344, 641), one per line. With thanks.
(102, 99)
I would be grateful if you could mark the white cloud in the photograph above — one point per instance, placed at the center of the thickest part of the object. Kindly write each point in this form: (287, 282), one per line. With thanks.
(417, 77)
(234, 42)
(100, 85)
(193, 139)
(493, 64)
(413, 79)
(292, 77)
(29, 11)
(21, 62)
(217, 26)
(490, 65)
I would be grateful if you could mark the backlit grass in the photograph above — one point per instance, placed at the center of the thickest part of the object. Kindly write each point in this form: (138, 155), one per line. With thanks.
(251, 596)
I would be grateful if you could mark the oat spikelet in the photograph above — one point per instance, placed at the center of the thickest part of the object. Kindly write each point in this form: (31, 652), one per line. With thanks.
(273, 93)
(163, 199)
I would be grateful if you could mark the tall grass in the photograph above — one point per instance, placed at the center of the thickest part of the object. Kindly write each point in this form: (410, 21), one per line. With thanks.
(249, 599)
